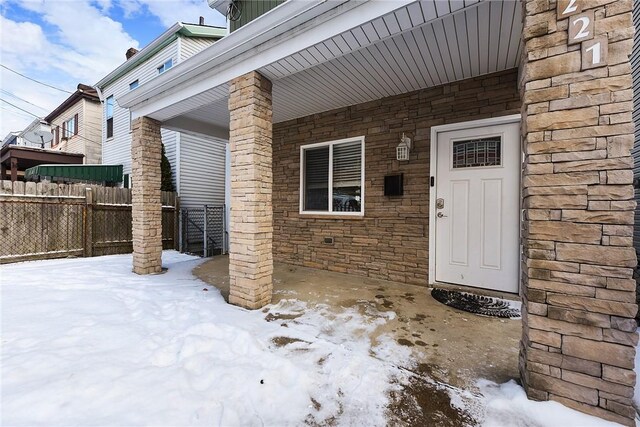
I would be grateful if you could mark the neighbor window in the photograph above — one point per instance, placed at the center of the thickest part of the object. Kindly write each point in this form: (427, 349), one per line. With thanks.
(70, 127)
(164, 67)
(332, 176)
(133, 85)
(56, 136)
(109, 111)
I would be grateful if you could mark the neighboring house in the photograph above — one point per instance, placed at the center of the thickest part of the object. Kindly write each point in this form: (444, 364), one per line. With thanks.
(197, 160)
(485, 144)
(18, 138)
(12, 138)
(75, 125)
(31, 147)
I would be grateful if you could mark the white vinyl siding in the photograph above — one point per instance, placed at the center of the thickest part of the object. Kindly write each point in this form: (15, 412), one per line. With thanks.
(202, 170)
(202, 160)
(73, 143)
(90, 128)
(117, 150)
(189, 46)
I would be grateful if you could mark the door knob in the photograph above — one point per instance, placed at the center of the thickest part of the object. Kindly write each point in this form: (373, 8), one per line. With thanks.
(440, 215)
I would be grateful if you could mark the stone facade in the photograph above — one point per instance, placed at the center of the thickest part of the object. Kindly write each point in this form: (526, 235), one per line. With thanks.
(579, 337)
(391, 240)
(251, 219)
(146, 145)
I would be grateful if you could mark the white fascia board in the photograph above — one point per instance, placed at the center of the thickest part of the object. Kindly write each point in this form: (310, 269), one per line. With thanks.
(219, 5)
(220, 63)
(264, 28)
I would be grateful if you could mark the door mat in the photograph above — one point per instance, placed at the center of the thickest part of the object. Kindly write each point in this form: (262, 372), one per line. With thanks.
(477, 304)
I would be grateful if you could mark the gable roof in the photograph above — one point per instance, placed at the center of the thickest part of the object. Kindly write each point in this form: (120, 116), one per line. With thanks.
(176, 30)
(83, 91)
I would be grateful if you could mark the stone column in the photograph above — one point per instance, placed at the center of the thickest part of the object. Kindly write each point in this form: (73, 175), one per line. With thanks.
(578, 293)
(251, 219)
(14, 169)
(146, 146)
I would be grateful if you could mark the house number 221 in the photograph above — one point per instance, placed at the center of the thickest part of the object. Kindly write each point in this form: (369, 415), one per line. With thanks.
(594, 50)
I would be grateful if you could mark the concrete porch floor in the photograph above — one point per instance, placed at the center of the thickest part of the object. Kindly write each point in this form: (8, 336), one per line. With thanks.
(450, 346)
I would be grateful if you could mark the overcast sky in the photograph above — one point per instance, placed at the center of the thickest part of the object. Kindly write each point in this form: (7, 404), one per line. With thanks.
(66, 42)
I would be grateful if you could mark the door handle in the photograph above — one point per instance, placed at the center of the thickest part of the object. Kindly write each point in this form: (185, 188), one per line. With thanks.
(441, 215)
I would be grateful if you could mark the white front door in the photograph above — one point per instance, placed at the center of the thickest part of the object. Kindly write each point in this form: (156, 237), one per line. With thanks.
(477, 207)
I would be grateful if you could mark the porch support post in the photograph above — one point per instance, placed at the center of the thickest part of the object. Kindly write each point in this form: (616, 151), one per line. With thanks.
(146, 146)
(14, 169)
(251, 218)
(579, 299)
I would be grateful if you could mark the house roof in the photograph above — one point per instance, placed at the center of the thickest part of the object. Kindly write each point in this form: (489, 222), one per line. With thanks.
(176, 30)
(82, 92)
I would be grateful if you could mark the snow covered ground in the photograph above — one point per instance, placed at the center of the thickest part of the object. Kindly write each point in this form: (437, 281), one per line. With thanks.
(87, 342)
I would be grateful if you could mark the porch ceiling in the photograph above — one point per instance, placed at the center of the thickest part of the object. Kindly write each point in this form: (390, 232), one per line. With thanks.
(423, 44)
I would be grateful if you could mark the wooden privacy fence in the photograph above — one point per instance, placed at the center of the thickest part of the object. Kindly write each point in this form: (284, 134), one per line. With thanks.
(44, 220)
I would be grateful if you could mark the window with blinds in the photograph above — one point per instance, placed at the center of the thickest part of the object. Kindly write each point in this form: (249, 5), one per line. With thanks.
(332, 177)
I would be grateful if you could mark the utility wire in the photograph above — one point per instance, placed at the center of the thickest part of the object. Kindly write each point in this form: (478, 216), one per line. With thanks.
(21, 99)
(34, 80)
(21, 109)
(17, 113)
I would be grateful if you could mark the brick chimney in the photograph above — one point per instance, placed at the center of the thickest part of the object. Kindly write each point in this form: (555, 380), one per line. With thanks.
(130, 52)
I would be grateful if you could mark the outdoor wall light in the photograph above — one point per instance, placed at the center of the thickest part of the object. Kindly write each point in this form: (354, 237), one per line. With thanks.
(403, 149)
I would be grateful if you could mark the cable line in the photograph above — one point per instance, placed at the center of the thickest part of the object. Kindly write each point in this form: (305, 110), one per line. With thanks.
(34, 80)
(21, 109)
(21, 99)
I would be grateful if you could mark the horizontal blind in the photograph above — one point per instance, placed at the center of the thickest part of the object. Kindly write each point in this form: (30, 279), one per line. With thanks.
(347, 164)
(317, 167)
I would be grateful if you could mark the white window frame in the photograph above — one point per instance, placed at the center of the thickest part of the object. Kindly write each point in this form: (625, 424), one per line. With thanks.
(70, 132)
(330, 212)
(134, 84)
(165, 66)
(107, 117)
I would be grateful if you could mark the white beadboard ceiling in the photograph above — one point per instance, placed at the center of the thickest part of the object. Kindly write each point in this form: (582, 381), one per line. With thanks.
(425, 44)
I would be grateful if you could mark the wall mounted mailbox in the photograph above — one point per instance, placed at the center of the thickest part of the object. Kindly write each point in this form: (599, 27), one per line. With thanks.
(393, 185)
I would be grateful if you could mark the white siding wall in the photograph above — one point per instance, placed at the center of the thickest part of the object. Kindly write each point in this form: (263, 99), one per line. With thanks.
(90, 128)
(202, 160)
(75, 144)
(202, 170)
(189, 46)
(117, 150)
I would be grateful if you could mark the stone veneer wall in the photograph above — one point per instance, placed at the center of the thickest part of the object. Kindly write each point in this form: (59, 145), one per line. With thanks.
(146, 145)
(391, 241)
(578, 292)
